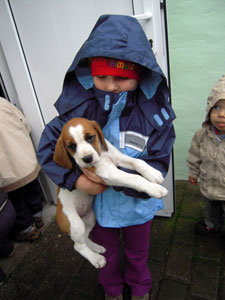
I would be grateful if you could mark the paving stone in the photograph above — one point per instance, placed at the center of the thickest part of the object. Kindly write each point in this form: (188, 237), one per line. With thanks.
(156, 271)
(210, 247)
(191, 188)
(99, 294)
(22, 249)
(205, 280)
(161, 233)
(171, 290)
(192, 205)
(87, 279)
(222, 285)
(180, 189)
(77, 296)
(184, 232)
(179, 263)
(158, 250)
(195, 298)
(59, 277)
(222, 294)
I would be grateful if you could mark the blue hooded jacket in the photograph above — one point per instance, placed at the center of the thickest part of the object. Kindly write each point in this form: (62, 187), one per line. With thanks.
(138, 122)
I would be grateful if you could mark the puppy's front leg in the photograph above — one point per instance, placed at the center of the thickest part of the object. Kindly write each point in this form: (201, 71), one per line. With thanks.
(141, 167)
(117, 177)
(136, 164)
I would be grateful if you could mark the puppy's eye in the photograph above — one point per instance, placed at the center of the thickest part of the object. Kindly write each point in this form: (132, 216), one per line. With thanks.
(90, 138)
(72, 146)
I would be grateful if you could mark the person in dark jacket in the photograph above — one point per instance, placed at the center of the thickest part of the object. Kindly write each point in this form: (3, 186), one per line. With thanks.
(116, 81)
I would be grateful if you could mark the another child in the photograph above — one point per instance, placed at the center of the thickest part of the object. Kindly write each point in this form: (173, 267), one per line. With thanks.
(19, 171)
(206, 161)
(115, 80)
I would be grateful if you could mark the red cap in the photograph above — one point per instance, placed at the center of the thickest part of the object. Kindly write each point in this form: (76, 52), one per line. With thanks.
(115, 67)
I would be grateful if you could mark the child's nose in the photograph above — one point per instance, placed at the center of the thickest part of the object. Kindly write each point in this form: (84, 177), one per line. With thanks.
(222, 113)
(112, 85)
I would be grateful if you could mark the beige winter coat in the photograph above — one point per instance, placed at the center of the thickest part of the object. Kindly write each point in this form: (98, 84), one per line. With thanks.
(206, 159)
(18, 162)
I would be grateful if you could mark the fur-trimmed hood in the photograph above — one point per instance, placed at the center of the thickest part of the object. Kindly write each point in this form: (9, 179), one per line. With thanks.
(217, 93)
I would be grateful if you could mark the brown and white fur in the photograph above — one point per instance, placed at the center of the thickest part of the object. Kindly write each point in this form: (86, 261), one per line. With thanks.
(83, 141)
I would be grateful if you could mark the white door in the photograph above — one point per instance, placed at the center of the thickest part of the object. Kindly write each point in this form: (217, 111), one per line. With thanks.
(39, 40)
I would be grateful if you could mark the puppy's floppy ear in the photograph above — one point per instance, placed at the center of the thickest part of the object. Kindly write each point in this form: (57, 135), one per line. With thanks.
(100, 134)
(60, 155)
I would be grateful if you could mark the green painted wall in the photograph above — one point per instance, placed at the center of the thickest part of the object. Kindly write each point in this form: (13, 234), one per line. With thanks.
(196, 33)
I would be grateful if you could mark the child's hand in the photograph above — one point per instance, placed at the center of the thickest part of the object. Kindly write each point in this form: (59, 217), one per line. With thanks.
(88, 186)
(92, 176)
(193, 180)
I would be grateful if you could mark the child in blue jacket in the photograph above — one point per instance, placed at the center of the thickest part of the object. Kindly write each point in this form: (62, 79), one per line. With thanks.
(116, 81)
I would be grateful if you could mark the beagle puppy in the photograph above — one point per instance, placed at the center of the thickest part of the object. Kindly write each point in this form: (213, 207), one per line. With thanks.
(82, 142)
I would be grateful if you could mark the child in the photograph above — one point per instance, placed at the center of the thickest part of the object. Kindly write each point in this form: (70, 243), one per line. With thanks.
(19, 171)
(116, 81)
(206, 161)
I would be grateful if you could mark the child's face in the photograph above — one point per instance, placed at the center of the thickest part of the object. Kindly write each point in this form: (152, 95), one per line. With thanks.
(115, 84)
(217, 116)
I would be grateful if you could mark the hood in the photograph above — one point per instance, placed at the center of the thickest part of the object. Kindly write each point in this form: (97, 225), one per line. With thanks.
(114, 36)
(217, 93)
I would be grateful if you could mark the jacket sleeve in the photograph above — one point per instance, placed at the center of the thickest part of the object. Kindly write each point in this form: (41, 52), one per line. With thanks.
(158, 154)
(62, 177)
(194, 160)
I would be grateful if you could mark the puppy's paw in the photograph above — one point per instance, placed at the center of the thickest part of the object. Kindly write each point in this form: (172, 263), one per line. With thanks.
(158, 191)
(148, 172)
(97, 260)
(95, 247)
(154, 175)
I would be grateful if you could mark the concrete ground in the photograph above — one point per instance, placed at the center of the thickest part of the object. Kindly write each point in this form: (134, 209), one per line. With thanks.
(183, 265)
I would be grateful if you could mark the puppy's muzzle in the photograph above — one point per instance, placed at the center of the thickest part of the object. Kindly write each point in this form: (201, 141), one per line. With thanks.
(87, 159)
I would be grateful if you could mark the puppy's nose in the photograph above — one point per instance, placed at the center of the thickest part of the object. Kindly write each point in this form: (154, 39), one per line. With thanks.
(87, 159)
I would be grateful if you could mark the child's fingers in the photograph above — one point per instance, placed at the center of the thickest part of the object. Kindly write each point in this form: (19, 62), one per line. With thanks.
(88, 186)
(92, 176)
(193, 180)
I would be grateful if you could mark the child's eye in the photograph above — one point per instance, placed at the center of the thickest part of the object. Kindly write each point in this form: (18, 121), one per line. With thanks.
(122, 78)
(101, 76)
(216, 107)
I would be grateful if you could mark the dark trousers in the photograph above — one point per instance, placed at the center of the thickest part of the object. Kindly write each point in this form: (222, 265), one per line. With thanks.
(214, 213)
(27, 201)
(7, 220)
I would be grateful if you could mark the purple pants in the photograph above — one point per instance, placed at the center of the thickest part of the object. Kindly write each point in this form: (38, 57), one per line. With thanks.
(135, 273)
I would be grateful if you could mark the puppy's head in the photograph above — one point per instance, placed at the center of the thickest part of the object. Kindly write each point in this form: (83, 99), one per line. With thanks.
(81, 140)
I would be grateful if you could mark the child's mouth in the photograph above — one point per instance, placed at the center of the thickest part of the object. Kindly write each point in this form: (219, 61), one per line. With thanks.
(220, 125)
